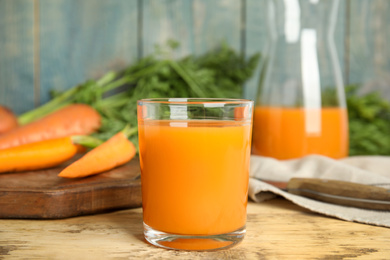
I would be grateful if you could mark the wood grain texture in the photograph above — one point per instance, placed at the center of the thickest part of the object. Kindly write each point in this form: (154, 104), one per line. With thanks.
(256, 39)
(341, 193)
(198, 25)
(276, 229)
(17, 55)
(84, 39)
(164, 20)
(43, 195)
(339, 34)
(215, 22)
(369, 52)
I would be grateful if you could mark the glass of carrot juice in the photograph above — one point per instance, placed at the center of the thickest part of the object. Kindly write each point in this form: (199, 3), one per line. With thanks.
(194, 157)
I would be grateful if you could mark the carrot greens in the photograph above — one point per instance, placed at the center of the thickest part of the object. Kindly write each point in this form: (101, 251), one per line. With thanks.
(369, 123)
(218, 73)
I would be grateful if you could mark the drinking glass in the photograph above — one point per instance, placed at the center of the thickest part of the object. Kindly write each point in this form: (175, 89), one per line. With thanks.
(194, 157)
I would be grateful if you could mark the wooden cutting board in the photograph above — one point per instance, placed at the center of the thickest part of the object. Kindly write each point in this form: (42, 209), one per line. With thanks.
(44, 195)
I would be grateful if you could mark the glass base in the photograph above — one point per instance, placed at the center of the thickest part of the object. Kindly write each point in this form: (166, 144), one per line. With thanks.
(193, 242)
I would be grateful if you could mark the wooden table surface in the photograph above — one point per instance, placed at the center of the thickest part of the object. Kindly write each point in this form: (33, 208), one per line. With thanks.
(276, 229)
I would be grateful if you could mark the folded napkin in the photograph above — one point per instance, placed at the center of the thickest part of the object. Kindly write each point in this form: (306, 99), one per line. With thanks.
(371, 170)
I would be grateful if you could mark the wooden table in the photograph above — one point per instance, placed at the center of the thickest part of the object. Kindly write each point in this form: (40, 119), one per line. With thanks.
(276, 229)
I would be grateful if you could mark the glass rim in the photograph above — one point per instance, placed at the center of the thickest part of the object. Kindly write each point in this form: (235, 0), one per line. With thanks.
(195, 101)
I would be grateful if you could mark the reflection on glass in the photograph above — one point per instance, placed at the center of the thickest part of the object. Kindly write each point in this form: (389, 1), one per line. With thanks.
(311, 82)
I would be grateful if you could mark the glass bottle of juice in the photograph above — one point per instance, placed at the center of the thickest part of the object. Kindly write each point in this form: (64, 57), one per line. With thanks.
(300, 107)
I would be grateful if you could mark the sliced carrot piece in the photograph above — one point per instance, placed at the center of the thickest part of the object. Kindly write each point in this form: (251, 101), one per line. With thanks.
(37, 155)
(114, 152)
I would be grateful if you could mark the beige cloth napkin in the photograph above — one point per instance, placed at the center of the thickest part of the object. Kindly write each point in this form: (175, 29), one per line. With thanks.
(372, 170)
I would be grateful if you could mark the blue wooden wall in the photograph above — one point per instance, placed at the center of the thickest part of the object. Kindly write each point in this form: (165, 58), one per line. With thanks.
(56, 44)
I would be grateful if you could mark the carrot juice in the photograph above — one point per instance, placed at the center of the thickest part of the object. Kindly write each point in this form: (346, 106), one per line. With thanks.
(194, 175)
(286, 133)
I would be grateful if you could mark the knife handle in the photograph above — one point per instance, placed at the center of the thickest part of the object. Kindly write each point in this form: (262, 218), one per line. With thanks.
(341, 193)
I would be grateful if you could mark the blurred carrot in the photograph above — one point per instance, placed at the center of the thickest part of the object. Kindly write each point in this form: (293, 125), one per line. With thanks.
(74, 119)
(8, 120)
(43, 154)
(114, 152)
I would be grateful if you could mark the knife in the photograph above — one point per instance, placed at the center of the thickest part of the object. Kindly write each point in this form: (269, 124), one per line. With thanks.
(338, 192)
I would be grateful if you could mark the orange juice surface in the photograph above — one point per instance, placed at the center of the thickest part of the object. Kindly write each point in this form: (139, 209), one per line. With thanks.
(286, 133)
(194, 175)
